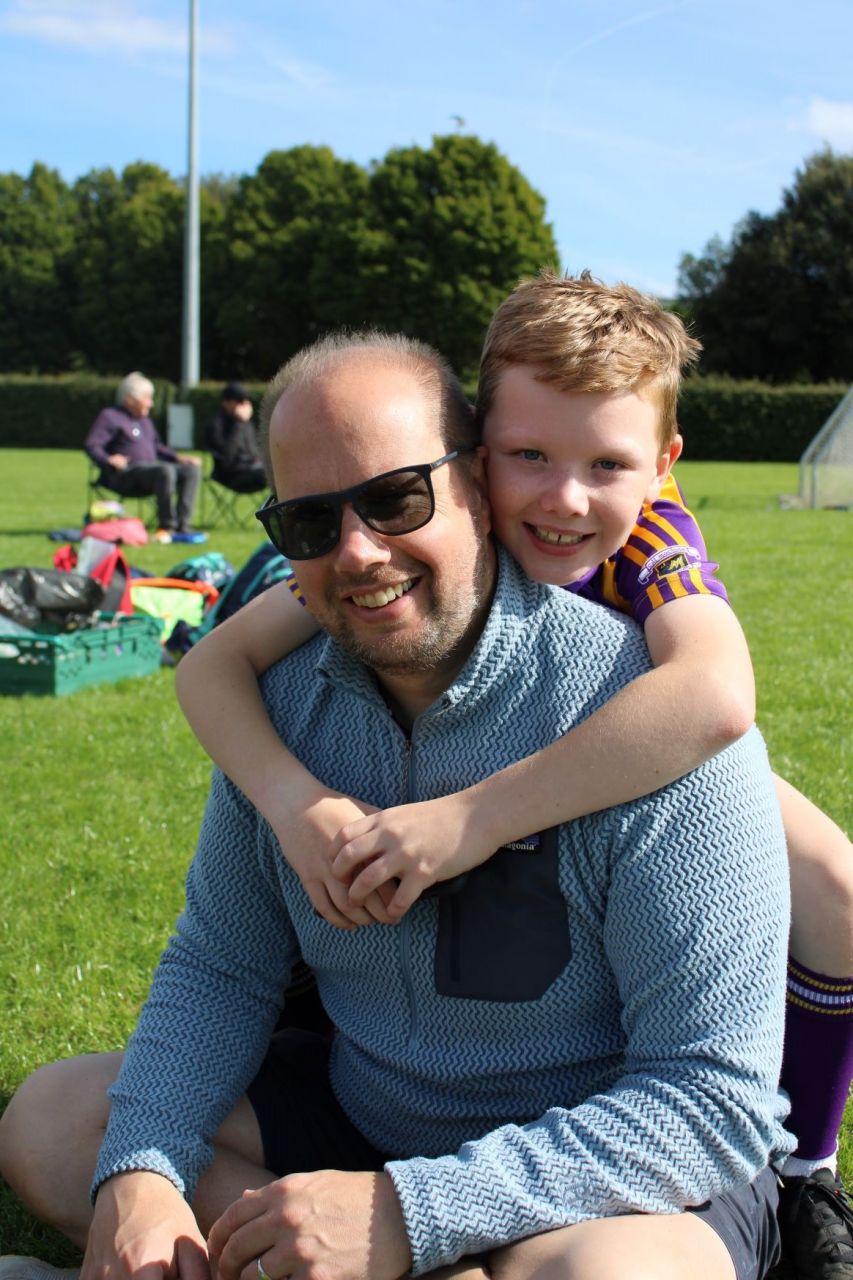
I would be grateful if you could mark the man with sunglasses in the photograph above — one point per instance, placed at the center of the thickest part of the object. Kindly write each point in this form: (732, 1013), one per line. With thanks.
(543, 1065)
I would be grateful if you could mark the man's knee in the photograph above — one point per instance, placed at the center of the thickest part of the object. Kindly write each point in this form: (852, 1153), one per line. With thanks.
(633, 1247)
(164, 478)
(53, 1111)
(188, 476)
(566, 1254)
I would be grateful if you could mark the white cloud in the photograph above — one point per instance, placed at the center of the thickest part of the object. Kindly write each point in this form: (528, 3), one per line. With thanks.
(303, 75)
(831, 121)
(103, 26)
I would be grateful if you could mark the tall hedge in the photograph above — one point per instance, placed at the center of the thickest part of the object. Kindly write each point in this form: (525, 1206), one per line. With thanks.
(721, 420)
(55, 413)
(730, 421)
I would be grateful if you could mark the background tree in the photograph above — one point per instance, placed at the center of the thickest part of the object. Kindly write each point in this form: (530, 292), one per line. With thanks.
(427, 242)
(279, 260)
(37, 220)
(128, 270)
(777, 303)
(451, 230)
(216, 192)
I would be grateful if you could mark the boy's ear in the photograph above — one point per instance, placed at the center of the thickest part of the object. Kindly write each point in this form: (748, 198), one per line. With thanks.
(666, 461)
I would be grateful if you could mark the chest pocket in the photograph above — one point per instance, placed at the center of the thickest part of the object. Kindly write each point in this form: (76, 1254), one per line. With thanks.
(503, 932)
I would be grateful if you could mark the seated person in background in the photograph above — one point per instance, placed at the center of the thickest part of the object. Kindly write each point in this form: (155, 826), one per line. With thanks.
(233, 443)
(135, 463)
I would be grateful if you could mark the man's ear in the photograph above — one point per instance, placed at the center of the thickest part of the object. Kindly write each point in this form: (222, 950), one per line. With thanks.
(479, 485)
(666, 461)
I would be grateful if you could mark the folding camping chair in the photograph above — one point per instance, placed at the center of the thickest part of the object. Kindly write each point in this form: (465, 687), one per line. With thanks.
(146, 506)
(221, 504)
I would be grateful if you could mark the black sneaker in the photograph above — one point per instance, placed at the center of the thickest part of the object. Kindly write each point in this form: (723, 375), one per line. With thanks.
(816, 1225)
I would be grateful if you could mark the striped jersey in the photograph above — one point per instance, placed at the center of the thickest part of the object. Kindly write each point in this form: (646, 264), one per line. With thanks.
(663, 559)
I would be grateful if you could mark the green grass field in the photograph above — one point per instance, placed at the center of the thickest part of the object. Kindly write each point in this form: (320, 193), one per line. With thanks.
(103, 790)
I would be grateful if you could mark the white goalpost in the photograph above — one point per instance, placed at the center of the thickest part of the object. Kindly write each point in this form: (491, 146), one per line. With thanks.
(826, 466)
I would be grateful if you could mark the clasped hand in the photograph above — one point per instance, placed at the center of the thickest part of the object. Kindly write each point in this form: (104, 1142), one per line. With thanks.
(345, 1226)
(361, 865)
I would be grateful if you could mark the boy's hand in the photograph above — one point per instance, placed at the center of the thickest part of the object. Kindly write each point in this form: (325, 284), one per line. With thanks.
(308, 842)
(415, 844)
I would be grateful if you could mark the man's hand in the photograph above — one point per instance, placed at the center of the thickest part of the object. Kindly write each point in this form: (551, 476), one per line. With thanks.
(307, 839)
(415, 844)
(142, 1226)
(118, 461)
(189, 457)
(344, 1226)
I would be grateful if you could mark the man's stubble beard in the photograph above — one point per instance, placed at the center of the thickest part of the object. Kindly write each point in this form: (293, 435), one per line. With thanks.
(446, 629)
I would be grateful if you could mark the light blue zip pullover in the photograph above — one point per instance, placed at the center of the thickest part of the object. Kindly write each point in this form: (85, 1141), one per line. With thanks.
(591, 1025)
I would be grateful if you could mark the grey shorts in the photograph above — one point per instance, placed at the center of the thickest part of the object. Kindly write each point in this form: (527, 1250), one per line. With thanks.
(303, 1128)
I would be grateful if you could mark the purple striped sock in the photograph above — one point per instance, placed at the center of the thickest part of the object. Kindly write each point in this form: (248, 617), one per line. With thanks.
(818, 1060)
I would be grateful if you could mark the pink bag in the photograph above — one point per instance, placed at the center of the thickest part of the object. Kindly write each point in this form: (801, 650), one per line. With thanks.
(127, 529)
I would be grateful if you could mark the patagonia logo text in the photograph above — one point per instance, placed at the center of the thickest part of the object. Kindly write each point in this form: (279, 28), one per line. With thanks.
(527, 844)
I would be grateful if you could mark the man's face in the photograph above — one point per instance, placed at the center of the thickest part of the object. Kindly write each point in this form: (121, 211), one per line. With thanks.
(569, 472)
(360, 419)
(139, 406)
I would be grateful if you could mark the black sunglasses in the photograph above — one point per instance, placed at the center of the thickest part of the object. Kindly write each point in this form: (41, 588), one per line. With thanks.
(396, 502)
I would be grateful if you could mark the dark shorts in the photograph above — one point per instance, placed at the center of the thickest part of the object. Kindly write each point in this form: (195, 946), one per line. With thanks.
(303, 1128)
(745, 1221)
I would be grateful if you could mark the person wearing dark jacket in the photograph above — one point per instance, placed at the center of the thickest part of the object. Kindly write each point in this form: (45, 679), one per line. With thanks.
(134, 461)
(233, 443)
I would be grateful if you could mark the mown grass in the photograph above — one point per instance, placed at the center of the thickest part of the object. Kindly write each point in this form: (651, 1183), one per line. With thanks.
(103, 790)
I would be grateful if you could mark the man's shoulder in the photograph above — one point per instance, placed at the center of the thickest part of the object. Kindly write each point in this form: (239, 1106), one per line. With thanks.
(557, 607)
(321, 700)
(563, 655)
(109, 418)
(110, 413)
(296, 676)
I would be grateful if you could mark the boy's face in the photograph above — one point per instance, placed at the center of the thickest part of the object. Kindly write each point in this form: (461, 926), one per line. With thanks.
(569, 472)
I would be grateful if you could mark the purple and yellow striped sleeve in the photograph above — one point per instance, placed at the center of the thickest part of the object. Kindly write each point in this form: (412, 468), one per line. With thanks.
(294, 587)
(664, 559)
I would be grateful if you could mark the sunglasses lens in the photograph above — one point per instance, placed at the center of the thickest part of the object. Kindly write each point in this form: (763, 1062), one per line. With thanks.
(307, 527)
(396, 504)
(304, 529)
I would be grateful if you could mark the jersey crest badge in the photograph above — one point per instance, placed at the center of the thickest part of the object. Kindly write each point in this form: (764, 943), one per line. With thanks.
(669, 560)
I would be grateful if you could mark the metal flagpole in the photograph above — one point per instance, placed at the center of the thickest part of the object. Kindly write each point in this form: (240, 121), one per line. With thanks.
(190, 329)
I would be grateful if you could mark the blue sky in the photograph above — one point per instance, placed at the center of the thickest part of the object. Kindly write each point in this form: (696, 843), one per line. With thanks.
(648, 128)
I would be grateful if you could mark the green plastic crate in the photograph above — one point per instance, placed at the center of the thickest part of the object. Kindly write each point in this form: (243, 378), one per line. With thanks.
(126, 646)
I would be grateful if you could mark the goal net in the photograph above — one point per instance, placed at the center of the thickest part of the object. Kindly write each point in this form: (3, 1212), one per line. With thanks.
(826, 467)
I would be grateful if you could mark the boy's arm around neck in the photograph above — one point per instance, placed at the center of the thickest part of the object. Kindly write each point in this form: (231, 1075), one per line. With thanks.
(698, 698)
(217, 687)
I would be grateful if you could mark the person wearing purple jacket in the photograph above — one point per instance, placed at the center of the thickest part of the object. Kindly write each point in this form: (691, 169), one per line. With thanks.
(135, 462)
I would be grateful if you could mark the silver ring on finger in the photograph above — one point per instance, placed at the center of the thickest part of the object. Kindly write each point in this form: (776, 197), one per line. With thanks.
(262, 1275)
